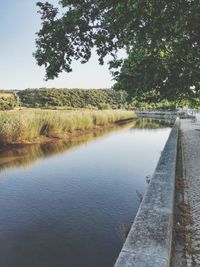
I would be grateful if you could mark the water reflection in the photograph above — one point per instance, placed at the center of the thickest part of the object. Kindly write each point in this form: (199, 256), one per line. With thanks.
(149, 124)
(25, 155)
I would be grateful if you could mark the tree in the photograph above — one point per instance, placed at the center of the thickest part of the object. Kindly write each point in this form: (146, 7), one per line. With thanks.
(161, 39)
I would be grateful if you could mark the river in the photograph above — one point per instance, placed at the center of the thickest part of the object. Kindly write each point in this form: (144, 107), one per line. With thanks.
(70, 204)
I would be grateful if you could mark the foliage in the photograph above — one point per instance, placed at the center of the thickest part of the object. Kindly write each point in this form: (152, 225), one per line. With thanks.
(75, 98)
(6, 94)
(103, 106)
(163, 105)
(27, 126)
(7, 101)
(161, 39)
(67, 99)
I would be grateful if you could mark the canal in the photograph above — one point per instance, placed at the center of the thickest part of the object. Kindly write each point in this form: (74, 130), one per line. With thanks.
(70, 204)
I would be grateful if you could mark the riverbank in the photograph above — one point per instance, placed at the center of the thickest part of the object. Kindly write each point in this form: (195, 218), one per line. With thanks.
(39, 126)
(16, 155)
(150, 238)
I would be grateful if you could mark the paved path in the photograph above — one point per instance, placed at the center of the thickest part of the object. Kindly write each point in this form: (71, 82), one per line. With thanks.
(191, 164)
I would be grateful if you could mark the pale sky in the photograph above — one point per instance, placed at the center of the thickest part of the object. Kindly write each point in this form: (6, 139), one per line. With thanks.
(19, 22)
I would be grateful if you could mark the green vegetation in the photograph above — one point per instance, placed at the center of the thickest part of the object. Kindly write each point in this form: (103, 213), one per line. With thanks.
(98, 99)
(31, 125)
(93, 99)
(7, 103)
(143, 105)
(7, 100)
(161, 39)
(72, 98)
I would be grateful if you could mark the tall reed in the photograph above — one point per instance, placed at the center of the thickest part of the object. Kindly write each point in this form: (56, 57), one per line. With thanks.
(22, 126)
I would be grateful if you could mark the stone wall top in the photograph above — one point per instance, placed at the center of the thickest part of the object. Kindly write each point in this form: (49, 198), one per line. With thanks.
(149, 241)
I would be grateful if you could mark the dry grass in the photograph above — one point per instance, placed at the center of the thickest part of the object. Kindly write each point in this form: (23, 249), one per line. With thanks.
(21, 126)
(6, 95)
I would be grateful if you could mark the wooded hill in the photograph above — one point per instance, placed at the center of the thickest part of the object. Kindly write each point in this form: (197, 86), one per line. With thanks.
(87, 98)
(75, 98)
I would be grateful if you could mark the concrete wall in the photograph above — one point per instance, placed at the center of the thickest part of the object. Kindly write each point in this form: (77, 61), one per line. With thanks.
(165, 114)
(149, 241)
(156, 115)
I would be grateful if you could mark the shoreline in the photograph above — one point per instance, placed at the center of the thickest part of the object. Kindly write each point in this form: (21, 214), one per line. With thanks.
(53, 137)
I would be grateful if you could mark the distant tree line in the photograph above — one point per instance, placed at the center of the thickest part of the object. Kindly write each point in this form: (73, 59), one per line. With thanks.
(75, 98)
(88, 98)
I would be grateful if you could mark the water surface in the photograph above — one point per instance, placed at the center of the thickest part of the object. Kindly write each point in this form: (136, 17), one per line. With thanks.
(68, 204)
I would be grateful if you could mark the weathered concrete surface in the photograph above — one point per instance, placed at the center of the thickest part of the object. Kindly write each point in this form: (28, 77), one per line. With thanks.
(149, 240)
(191, 165)
(179, 233)
(163, 115)
(156, 115)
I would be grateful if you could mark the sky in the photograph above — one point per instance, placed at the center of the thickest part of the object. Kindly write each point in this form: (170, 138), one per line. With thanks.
(19, 21)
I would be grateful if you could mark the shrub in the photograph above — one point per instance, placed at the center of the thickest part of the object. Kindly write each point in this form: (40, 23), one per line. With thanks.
(103, 106)
(7, 103)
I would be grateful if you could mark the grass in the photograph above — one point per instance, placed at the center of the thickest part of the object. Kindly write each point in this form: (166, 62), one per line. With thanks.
(6, 95)
(22, 126)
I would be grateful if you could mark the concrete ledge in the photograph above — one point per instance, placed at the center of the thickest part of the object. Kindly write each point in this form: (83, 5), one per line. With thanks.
(165, 114)
(149, 241)
(157, 114)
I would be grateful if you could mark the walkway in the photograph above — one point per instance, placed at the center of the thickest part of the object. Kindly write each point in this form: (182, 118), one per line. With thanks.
(191, 172)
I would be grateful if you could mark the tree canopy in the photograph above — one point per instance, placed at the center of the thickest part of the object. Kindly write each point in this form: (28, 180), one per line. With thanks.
(161, 38)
